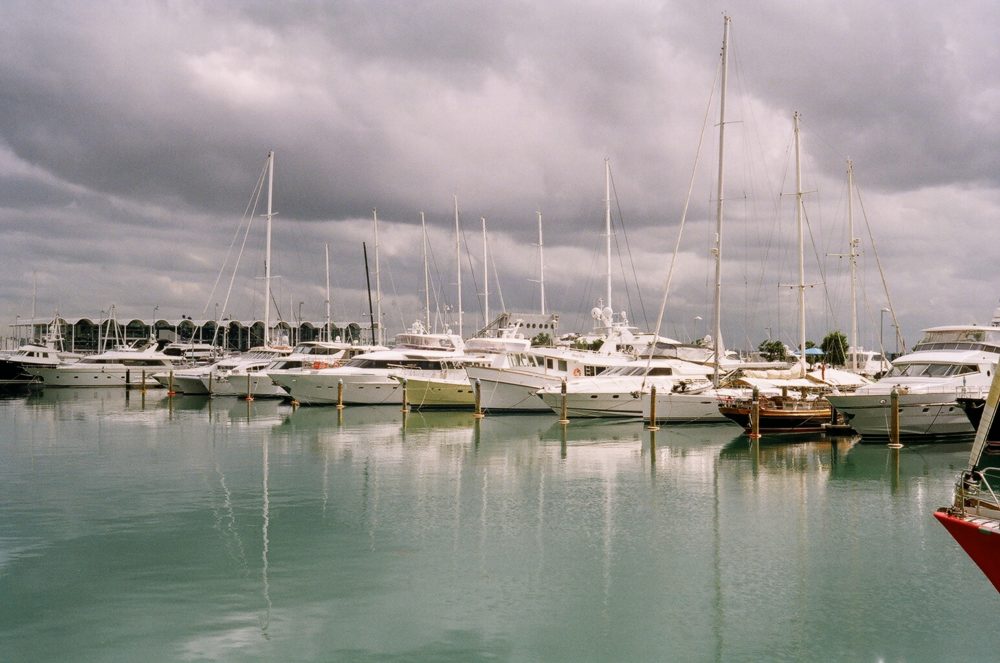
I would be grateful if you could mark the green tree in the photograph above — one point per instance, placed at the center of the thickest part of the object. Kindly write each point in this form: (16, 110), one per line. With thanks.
(835, 347)
(542, 340)
(773, 350)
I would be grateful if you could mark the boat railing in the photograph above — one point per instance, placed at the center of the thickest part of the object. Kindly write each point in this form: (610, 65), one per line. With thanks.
(974, 492)
(972, 392)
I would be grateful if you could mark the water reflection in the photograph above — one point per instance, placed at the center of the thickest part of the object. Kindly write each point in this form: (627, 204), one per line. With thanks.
(290, 531)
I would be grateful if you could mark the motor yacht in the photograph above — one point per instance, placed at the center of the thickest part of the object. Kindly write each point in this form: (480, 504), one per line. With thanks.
(130, 366)
(949, 362)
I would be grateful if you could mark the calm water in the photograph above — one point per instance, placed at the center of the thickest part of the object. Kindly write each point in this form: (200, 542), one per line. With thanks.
(189, 529)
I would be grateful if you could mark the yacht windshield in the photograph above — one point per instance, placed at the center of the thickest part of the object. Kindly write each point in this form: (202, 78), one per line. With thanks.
(932, 370)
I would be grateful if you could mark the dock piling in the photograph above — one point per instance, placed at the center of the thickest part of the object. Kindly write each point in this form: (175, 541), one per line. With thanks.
(894, 442)
(564, 418)
(652, 409)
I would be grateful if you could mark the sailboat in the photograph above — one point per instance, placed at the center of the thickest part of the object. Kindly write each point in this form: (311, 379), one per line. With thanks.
(231, 376)
(686, 403)
(973, 518)
(809, 412)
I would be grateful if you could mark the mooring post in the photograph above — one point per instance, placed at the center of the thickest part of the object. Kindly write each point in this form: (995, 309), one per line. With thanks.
(406, 404)
(652, 409)
(340, 394)
(564, 419)
(894, 420)
(479, 402)
(128, 376)
(249, 393)
(755, 414)
(170, 383)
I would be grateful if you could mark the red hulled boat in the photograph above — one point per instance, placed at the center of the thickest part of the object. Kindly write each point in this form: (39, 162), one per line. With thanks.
(973, 518)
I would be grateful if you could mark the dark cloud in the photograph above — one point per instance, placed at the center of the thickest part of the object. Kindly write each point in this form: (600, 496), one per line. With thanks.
(131, 136)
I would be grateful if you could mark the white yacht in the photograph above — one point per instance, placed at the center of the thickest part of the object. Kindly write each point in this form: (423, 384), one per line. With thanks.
(512, 383)
(44, 353)
(308, 355)
(368, 378)
(948, 362)
(620, 391)
(451, 387)
(229, 377)
(129, 366)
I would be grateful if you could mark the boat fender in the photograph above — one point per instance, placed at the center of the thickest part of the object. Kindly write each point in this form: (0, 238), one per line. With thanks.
(577, 372)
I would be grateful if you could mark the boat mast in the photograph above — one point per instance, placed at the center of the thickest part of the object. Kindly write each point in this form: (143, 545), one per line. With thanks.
(267, 251)
(541, 263)
(486, 276)
(458, 266)
(329, 327)
(368, 282)
(802, 268)
(607, 223)
(717, 250)
(427, 289)
(853, 256)
(378, 284)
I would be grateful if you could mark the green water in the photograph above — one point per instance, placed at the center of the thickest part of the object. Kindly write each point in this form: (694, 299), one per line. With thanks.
(147, 529)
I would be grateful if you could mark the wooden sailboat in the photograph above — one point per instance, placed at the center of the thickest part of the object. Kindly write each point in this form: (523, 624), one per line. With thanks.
(973, 518)
(785, 413)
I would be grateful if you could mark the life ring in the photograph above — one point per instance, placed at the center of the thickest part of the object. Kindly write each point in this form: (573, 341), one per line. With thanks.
(577, 372)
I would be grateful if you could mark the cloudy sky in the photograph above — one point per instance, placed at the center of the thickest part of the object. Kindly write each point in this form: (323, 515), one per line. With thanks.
(132, 134)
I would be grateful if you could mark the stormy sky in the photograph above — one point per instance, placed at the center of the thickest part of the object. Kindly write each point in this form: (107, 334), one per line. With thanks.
(132, 135)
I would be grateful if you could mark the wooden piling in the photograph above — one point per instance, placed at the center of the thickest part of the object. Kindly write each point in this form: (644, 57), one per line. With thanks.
(479, 402)
(755, 414)
(652, 409)
(564, 419)
(894, 442)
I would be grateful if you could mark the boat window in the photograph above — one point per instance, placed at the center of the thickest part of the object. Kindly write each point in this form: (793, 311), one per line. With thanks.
(661, 370)
(562, 365)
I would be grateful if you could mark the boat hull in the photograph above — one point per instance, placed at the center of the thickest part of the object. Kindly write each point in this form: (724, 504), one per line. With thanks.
(683, 408)
(595, 404)
(261, 386)
(319, 388)
(511, 390)
(979, 538)
(777, 420)
(425, 394)
(104, 377)
(182, 383)
(921, 415)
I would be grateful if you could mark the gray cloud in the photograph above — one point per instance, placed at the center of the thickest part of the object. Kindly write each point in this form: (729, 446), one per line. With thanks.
(131, 135)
